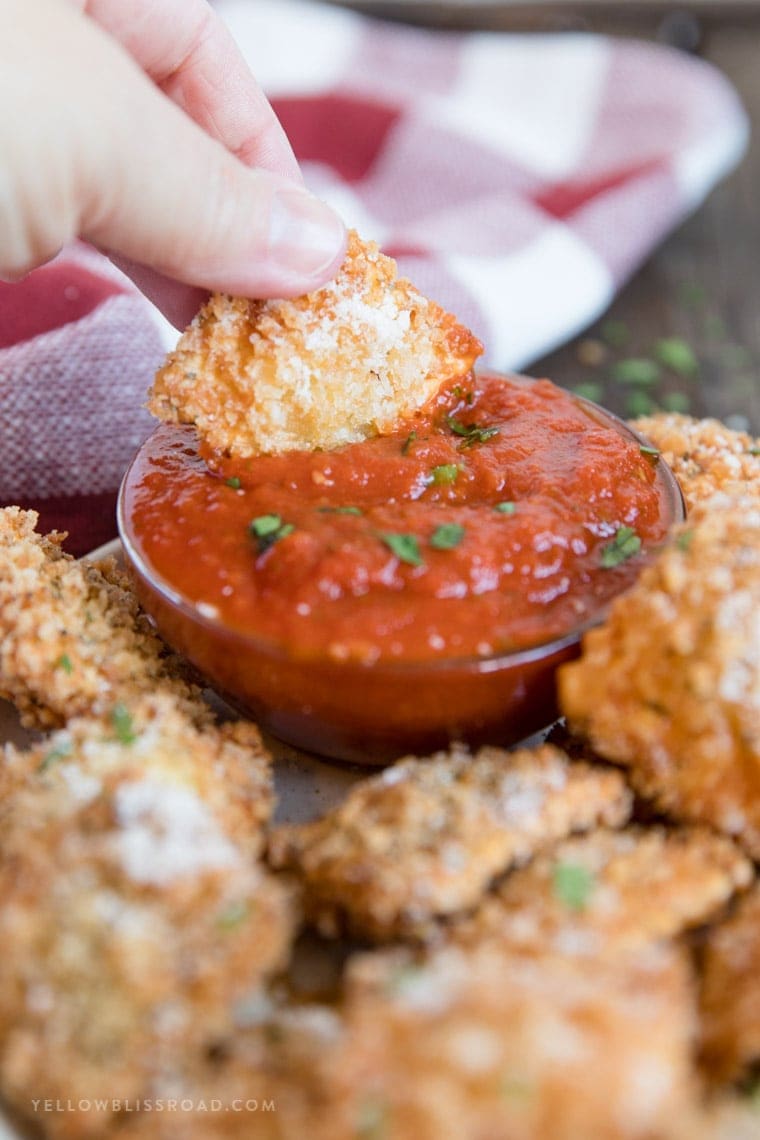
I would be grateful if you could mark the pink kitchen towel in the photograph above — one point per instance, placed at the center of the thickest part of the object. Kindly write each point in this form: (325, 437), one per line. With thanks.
(518, 179)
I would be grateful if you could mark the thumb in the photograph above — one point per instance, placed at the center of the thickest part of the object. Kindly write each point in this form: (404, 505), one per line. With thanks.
(113, 160)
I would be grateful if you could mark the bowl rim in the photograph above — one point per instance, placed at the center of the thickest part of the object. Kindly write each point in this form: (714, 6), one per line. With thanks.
(489, 663)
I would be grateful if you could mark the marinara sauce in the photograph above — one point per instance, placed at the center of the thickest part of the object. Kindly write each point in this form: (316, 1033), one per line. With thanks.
(502, 516)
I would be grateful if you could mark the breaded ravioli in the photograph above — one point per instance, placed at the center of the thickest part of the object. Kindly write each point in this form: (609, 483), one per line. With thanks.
(338, 365)
(669, 685)
(148, 739)
(72, 639)
(484, 1044)
(730, 997)
(704, 455)
(426, 837)
(611, 892)
(133, 916)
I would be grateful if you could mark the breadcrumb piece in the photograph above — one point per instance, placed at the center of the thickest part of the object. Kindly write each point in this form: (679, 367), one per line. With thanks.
(611, 892)
(133, 916)
(704, 455)
(72, 639)
(670, 684)
(426, 837)
(346, 362)
(730, 998)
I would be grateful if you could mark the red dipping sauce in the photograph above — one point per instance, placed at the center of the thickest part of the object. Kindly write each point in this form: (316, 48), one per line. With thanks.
(387, 583)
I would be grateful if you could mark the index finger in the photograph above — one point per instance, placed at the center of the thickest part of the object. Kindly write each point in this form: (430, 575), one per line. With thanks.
(184, 46)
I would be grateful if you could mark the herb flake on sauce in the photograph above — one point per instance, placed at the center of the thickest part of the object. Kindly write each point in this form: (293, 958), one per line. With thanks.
(626, 544)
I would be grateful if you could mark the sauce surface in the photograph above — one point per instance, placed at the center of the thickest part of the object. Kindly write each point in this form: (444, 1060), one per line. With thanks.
(504, 515)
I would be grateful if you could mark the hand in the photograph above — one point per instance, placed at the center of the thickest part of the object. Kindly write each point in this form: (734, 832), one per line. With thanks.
(137, 126)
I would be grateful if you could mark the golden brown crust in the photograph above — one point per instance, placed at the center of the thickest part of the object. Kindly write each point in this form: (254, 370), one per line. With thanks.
(426, 837)
(670, 684)
(485, 1044)
(730, 997)
(72, 639)
(704, 455)
(611, 892)
(133, 916)
(343, 363)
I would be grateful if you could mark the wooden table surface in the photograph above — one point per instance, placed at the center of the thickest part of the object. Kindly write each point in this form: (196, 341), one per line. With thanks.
(703, 285)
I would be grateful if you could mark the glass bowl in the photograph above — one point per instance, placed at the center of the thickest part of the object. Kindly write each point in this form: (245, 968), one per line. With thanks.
(367, 713)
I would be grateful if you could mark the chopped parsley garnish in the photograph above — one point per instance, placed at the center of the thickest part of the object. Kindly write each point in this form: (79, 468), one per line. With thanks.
(269, 529)
(233, 915)
(572, 885)
(406, 445)
(463, 394)
(121, 719)
(637, 370)
(675, 354)
(506, 508)
(64, 662)
(652, 452)
(406, 547)
(340, 510)
(233, 482)
(684, 540)
(470, 433)
(447, 536)
(626, 544)
(60, 752)
(446, 473)
(754, 451)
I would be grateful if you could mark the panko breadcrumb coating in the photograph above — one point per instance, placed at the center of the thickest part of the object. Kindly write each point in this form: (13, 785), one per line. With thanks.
(72, 639)
(611, 892)
(669, 685)
(133, 917)
(227, 766)
(426, 837)
(704, 455)
(343, 363)
(485, 1044)
(730, 997)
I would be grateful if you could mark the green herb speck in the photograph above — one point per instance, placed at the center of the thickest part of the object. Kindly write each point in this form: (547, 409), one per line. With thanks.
(446, 473)
(684, 540)
(651, 452)
(626, 544)
(121, 719)
(233, 482)
(470, 433)
(572, 885)
(340, 510)
(372, 1120)
(269, 529)
(64, 663)
(60, 752)
(233, 915)
(674, 353)
(638, 371)
(406, 445)
(447, 536)
(406, 547)
(506, 508)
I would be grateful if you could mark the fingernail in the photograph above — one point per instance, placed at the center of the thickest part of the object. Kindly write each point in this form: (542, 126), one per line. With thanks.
(305, 235)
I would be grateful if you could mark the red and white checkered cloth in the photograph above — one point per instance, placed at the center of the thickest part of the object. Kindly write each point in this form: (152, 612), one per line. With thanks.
(519, 180)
